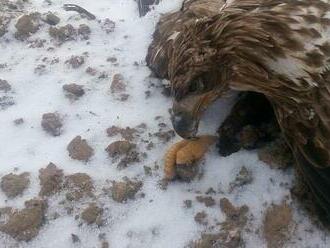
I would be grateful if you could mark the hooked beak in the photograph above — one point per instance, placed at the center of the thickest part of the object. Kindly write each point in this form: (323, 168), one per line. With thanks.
(186, 114)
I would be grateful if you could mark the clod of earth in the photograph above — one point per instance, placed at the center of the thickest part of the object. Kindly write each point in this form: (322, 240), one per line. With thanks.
(242, 178)
(73, 91)
(51, 180)
(207, 200)
(278, 225)
(92, 214)
(52, 123)
(84, 31)
(4, 86)
(79, 185)
(79, 149)
(27, 25)
(13, 185)
(185, 152)
(118, 85)
(23, 225)
(75, 61)
(108, 26)
(63, 34)
(125, 190)
(201, 218)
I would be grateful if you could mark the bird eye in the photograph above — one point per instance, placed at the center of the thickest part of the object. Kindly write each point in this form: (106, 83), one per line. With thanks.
(196, 85)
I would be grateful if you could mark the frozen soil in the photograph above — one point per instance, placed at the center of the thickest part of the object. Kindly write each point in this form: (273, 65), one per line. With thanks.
(84, 127)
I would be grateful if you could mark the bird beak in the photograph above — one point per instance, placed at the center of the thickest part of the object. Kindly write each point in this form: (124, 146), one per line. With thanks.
(186, 114)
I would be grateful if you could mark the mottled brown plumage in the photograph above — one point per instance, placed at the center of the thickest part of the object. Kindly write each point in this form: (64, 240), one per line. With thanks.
(279, 48)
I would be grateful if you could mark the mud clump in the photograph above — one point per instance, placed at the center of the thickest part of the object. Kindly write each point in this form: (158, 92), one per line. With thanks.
(125, 190)
(92, 214)
(73, 91)
(108, 26)
(127, 133)
(207, 200)
(63, 34)
(25, 224)
(75, 61)
(84, 31)
(13, 185)
(4, 86)
(165, 136)
(27, 25)
(118, 84)
(79, 185)
(244, 177)
(277, 225)
(276, 154)
(52, 123)
(79, 149)
(124, 151)
(201, 218)
(51, 180)
(230, 235)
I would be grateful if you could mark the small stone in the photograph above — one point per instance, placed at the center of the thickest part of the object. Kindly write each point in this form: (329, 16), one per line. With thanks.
(25, 224)
(52, 123)
(125, 190)
(51, 180)
(73, 91)
(4, 86)
(13, 185)
(118, 85)
(79, 185)
(52, 19)
(79, 149)
(207, 200)
(92, 214)
(84, 31)
(75, 61)
(200, 218)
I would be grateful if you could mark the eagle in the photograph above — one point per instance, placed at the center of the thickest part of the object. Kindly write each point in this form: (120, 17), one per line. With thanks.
(278, 50)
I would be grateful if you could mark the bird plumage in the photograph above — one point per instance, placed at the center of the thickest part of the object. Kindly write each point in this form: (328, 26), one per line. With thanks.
(279, 48)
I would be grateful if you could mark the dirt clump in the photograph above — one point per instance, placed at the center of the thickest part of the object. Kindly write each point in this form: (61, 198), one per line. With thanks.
(6, 102)
(127, 133)
(51, 180)
(52, 123)
(207, 200)
(201, 218)
(18, 121)
(79, 185)
(92, 214)
(276, 154)
(124, 151)
(13, 185)
(118, 85)
(165, 136)
(27, 25)
(84, 31)
(24, 225)
(73, 91)
(125, 190)
(63, 34)
(79, 149)
(108, 26)
(51, 19)
(243, 177)
(277, 225)
(75, 61)
(230, 235)
(4, 86)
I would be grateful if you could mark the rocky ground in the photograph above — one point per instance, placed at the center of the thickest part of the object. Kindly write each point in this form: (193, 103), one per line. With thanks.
(84, 127)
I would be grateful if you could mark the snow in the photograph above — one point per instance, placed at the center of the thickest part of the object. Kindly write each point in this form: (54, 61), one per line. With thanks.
(158, 219)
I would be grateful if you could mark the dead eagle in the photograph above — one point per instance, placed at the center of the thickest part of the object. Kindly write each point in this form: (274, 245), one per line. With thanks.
(278, 49)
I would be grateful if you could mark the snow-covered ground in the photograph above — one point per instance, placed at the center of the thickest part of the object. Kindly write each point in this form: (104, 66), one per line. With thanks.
(158, 218)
